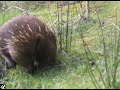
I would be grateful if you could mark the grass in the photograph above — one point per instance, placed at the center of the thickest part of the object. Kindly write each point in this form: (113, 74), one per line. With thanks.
(64, 76)
(73, 72)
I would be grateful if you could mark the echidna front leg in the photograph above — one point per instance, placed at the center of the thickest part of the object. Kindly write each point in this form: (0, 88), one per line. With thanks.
(8, 60)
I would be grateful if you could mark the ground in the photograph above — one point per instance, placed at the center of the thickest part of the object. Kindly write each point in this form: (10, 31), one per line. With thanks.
(73, 72)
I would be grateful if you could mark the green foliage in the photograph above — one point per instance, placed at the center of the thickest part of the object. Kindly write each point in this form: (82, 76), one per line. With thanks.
(87, 44)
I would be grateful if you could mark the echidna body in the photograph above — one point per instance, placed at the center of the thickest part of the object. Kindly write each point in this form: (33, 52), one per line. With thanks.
(27, 41)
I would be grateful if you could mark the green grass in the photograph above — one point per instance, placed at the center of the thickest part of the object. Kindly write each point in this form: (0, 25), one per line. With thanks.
(73, 72)
(68, 75)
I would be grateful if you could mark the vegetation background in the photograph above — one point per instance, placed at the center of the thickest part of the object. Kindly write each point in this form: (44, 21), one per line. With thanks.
(88, 40)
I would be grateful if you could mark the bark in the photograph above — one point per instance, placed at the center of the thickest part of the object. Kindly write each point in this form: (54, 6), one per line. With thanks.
(87, 12)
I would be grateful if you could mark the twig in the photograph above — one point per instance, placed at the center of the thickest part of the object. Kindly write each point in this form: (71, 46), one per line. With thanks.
(54, 22)
(115, 25)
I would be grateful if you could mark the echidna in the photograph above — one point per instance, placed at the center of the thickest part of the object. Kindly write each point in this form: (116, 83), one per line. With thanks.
(27, 41)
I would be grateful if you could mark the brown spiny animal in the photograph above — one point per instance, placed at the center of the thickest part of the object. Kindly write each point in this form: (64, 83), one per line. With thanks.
(27, 41)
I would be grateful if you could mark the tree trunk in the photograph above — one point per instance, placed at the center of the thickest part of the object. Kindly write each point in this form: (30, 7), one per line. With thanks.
(87, 12)
(1, 4)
